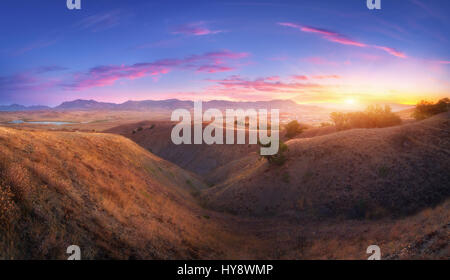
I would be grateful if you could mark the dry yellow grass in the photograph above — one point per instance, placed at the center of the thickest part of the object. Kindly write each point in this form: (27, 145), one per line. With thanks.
(103, 193)
(336, 195)
(356, 174)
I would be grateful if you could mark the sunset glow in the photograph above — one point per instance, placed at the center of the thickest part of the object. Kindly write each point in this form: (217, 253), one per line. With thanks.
(296, 51)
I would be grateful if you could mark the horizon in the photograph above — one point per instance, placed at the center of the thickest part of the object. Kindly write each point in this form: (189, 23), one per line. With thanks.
(325, 53)
(394, 106)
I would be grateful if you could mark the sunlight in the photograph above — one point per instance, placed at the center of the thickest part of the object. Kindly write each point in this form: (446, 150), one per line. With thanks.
(350, 101)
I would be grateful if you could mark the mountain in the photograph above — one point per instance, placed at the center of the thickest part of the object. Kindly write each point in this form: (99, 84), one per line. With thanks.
(172, 104)
(169, 104)
(17, 107)
(81, 104)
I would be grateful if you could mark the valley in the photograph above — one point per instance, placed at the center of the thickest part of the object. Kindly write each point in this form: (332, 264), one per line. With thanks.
(122, 189)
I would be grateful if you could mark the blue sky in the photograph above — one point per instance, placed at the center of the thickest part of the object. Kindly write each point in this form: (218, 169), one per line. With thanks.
(316, 52)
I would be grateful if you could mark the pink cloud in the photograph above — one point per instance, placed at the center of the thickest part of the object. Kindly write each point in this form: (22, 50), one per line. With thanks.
(195, 29)
(391, 51)
(272, 78)
(316, 77)
(321, 77)
(300, 77)
(339, 38)
(106, 75)
(320, 61)
(214, 68)
(238, 84)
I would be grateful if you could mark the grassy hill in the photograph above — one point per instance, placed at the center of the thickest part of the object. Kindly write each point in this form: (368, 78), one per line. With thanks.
(337, 193)
(200, 159)
(102, 192)
(359, 173)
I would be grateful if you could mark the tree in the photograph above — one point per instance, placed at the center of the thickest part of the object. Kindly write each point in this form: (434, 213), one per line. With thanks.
(425, 109)
(373, 116)
(293, 128)
(339, 120)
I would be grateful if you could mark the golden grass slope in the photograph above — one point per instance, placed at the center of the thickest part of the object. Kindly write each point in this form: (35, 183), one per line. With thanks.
(356, 174)
(101, 192)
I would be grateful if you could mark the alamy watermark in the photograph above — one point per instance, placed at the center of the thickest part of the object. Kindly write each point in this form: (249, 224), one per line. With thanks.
(74, 4)
(74, 252)
(374, 4)
(235, 121)
(375, 252)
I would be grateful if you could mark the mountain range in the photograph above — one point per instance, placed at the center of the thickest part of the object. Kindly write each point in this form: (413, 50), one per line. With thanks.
(172, 104)
(169, 104)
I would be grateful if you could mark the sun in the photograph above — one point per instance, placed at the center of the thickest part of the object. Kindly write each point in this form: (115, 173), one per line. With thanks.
(350, 101)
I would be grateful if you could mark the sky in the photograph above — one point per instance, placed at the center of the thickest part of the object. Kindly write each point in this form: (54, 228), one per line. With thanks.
(310, 51)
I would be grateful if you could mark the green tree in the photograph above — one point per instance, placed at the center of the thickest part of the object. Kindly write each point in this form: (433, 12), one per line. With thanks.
(293, 128)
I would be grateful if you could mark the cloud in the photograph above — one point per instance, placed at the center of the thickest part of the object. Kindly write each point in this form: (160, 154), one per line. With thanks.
(442, 62)
(314, 77)
(100, 22)
(94, 23)
(25, 81)
(241, 85)
(50, 68)
(322, 61)
(300, 77)
(214, 68)
(340, 38)
(195, 29)
(432, 12)
(105, 75)
(391, 51)
(35, 45)
(321, 77)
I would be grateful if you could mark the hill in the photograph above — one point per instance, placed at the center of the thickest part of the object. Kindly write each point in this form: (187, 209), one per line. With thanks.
(337, 193)
(356, 174)
(200, 159)
(81, 104)
(103, 193)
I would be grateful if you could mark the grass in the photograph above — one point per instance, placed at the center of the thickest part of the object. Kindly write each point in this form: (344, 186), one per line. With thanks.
(285, 177)
(383, 171)
(91, 190)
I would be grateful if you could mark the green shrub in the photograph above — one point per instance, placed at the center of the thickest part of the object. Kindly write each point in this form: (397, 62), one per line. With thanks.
(278, 158)
(285, 177)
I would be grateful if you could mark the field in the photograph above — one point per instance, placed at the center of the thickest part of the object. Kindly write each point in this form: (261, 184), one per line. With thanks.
(114, 184)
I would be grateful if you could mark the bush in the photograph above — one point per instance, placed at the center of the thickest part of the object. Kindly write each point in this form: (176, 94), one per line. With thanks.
(425, 109)
(373, 116)
(293, 128)
(279, 158)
